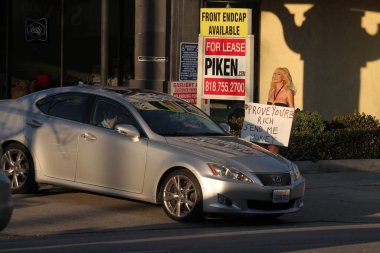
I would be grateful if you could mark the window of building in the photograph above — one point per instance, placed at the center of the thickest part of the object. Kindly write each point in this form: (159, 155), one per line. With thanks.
(58, 43)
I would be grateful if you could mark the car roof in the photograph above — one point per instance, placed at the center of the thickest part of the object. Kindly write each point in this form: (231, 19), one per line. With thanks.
(145, 99)
(122, 90)
(119, 89)
(132, 95)
(136, 94)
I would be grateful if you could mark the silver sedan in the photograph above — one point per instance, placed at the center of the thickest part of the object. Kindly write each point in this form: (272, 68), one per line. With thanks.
(142, 145)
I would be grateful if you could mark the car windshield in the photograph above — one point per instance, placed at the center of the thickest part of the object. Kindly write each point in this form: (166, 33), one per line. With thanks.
(174, 117)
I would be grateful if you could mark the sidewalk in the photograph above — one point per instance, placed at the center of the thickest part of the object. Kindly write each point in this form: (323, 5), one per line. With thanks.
(323, 166)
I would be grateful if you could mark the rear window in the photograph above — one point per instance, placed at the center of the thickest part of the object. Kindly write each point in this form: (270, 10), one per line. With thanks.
(69, 106)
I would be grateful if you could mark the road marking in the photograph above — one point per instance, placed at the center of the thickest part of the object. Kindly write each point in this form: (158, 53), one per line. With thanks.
(198, 236)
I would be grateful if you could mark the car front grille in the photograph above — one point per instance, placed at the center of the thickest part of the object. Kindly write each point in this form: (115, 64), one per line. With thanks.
(277, 179)
(269, 206)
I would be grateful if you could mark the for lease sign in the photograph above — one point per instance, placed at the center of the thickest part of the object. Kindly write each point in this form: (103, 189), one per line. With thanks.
(224, 63)
(267, 124)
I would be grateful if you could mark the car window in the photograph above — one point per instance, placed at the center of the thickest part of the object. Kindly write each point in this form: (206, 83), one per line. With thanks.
(71, 106)
(174, 117)
(107, 113)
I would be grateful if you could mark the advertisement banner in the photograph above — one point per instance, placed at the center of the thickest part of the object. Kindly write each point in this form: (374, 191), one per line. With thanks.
(268, 124)
(225, 22)
(224, 71)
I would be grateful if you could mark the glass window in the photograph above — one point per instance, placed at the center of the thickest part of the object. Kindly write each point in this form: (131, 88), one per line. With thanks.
(69, 106)
(35, 50)
(176, 118)
(81, 41)
(107, 113)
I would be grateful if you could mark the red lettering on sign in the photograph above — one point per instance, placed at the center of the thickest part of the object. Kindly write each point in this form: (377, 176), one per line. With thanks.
(220, 46)
(227, 87)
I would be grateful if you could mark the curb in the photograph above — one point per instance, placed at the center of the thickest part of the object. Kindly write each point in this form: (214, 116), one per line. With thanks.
(349, 165)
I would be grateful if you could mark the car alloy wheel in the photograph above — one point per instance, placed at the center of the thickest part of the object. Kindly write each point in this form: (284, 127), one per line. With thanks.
(181, 196)
(17, 164)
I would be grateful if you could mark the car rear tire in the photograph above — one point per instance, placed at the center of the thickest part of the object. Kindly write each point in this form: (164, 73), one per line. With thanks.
(17, 164)
(181, 196)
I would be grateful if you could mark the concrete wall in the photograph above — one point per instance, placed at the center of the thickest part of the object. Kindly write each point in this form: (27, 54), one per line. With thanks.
(161, 25)
(184, 28)
(332, 49)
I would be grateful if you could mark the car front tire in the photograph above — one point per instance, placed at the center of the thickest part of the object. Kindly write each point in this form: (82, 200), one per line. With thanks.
(181, 196)
(17, 164)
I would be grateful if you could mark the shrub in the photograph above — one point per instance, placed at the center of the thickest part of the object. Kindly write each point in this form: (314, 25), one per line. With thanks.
(354, 136)
(236, 124)
(334, 144)
(307, 122)
(355, 121)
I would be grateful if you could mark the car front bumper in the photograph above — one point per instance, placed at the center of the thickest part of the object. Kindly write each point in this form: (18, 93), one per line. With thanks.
(232, 197)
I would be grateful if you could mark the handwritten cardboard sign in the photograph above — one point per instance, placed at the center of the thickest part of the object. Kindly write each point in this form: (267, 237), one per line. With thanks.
(268, 124)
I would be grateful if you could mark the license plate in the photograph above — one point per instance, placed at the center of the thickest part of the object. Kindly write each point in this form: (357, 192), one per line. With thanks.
(281, 196)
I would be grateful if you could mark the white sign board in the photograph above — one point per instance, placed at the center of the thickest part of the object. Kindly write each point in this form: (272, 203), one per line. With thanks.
(224, 71)
(268, 124)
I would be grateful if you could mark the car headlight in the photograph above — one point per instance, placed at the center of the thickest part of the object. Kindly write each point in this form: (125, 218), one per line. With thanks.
(230, 173)
(295, 172)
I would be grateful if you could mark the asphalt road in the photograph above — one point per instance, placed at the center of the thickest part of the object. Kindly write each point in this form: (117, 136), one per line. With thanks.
(341, 214)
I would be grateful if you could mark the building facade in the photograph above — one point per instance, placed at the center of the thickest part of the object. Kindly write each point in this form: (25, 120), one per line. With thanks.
(332, 48)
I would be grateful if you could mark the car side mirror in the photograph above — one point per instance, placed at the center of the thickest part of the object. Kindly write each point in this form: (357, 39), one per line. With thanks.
(225, 127)
(128, 130)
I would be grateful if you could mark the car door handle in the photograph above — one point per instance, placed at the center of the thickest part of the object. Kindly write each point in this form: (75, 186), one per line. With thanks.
(34, 123)
(88, 136)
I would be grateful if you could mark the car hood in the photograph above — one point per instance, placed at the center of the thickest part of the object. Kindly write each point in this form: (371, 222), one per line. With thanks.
(232, 151)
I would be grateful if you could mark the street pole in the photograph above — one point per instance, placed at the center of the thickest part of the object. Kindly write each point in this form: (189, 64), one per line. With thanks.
(120, 74)
(62, 43)
(8, 50)
(104, 43)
